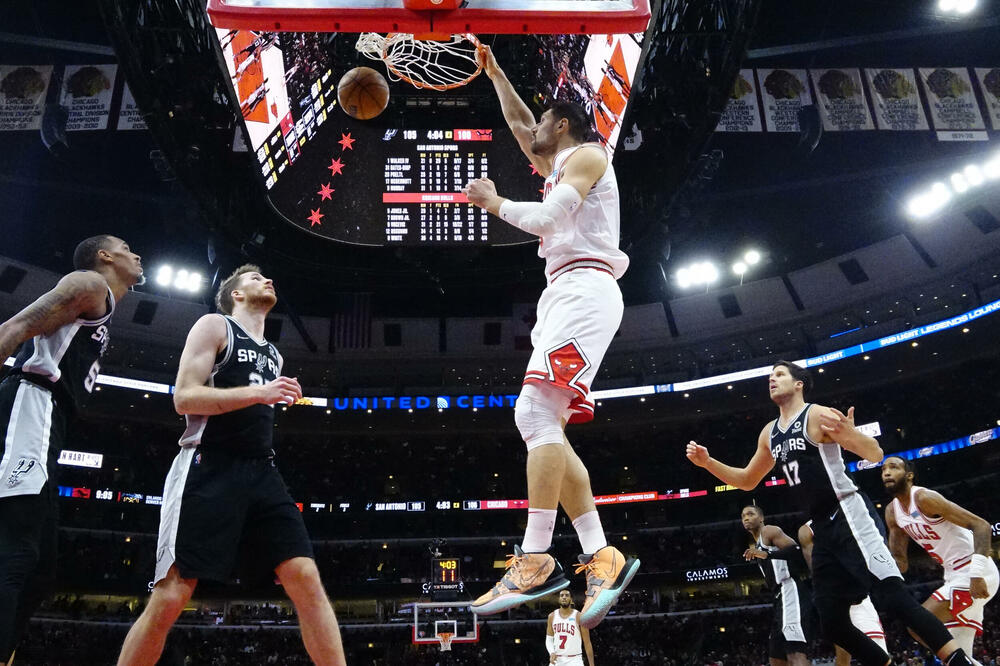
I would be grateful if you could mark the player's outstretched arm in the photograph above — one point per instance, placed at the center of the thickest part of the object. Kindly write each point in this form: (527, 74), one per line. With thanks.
(205, 341)
(744, 478)
(832, 425)
(932, 503)
(517, 114)
(898, 540)
(587, 647)
(76, 294)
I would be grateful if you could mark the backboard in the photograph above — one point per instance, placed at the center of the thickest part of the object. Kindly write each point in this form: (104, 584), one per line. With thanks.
(553, 17)
(432, 618)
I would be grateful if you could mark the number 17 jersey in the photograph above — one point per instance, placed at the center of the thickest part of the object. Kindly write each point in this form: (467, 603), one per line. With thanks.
(244, 361)
(815, 473)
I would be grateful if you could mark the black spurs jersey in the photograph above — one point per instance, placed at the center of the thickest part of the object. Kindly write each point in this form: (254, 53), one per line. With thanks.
(244, 362)
(68, 360)
(775, 572)
(815, 473)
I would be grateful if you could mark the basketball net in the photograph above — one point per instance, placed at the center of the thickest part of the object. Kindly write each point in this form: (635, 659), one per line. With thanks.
(436, 64)
(444, 638)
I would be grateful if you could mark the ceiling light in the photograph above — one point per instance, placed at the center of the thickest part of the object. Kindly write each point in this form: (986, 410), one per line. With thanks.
(739, 268)
(973, 175)
(752, 257)
(947, 5)
(964, 6)
(164, 275)
(992, 168)
(959, 183)
(181, 279)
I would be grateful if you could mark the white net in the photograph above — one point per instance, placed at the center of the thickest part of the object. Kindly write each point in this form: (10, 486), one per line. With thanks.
(425, 63)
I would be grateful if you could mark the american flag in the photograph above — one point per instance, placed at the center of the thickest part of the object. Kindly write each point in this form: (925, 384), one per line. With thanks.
(351, 326)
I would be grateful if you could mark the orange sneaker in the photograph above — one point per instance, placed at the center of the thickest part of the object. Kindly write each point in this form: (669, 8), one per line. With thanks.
(608, 574)
(529, 576)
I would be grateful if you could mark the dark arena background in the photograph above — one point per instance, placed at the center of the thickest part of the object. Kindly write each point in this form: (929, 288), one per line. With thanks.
(817, 182)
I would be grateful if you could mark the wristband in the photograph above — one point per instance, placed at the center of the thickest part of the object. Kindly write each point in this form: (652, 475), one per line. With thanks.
(550, 643)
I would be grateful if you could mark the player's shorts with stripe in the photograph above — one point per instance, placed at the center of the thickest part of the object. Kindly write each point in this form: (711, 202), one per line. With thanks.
(966, 611)
(579, 313)
(849, 550)
(216, 504)
(569, 660)
(865, 619)
(791, 622)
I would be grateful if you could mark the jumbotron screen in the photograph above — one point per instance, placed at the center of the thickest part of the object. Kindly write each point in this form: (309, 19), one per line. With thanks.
(396, 179)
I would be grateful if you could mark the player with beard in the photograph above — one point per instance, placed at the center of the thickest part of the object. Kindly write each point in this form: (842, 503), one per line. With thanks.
(223, 491)
(790, 628)
(850, 558)
(579, 312)
(60, 339)
(564, 636)
(955, 538)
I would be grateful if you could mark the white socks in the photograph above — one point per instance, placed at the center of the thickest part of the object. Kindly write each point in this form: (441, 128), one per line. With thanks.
(538, 534)
(591, 533)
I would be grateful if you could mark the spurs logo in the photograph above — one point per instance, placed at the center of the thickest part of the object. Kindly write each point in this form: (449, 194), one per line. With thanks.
(23, 467)
(261, 363)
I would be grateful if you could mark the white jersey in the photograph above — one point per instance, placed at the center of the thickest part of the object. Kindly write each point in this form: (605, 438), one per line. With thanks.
(948, 544)
(566, 635)
(592, 240)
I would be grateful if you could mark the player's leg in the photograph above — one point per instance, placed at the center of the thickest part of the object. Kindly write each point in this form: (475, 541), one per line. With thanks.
(145, 640)
(533, 573)
(577, 500)
(866, 619)
(320, 632)
(891, 595)
(840, 656)
(20, 536)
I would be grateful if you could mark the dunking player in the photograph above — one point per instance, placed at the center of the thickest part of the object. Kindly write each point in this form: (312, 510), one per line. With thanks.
(578, 314)
(955, 538)
(791, 624)
(850, 557)
(62, 336)
(565, 639)
(863, 615)
(223, 489)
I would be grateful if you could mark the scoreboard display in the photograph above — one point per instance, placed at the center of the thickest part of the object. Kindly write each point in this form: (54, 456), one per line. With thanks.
(446, 570)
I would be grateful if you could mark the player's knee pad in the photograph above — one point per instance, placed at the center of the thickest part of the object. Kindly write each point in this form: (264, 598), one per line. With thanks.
(538, 414)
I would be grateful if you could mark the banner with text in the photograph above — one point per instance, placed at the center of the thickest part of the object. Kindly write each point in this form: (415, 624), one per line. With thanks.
(87, 91)
(742, 113)
(784, 91)
(989, 84)
(22, 96)
(896, 99)
(954, 109)
(129, 115)
(841, 100)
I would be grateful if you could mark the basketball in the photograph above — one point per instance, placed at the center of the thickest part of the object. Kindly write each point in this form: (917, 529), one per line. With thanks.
(363, 93)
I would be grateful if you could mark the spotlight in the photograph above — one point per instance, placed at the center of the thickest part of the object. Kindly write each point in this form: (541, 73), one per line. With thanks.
(992, 168)
(973, 175)
(965, 6)
(947, 5)
(684, 278)
(194, 282)
(164, 275)
(752, 257)
(739, 268)
(181, 279)
(959, 183)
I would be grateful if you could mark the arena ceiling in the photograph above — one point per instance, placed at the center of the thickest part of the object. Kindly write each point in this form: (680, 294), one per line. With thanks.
(797, 204)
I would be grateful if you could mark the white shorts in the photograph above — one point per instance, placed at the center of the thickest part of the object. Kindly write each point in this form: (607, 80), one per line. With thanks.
(865, 618)
(578, 316)
(966, 611)
(569, 660)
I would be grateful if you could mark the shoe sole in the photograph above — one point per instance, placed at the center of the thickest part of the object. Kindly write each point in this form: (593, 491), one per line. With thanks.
(605, 599)
(514, 599)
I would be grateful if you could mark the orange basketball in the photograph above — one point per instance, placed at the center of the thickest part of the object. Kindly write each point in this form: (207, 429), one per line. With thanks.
(363, 93)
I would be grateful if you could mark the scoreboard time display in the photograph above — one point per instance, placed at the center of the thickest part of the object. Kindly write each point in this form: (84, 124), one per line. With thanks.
(403, 186)
(446, 570)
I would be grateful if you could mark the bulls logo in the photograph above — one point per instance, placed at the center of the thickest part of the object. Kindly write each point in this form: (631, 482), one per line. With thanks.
(566, 364)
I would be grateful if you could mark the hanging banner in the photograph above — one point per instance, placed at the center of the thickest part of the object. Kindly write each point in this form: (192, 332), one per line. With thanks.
(989, 84)
(87, 93)
(742, 113)
(129, 115)
(954, 109)
(896, 100)
(22, 96)
(840, 95)
(785, 91)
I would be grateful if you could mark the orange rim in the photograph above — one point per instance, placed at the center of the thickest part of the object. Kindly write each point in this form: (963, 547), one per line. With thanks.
(431, 86)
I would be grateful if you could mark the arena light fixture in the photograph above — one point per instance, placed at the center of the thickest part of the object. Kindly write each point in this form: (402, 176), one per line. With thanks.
(739, 268)
(702, 273)
(925, 204)
(752, 257)
(180, 279)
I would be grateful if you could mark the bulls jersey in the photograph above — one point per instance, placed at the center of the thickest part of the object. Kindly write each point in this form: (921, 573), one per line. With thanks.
(815, 473)
(68, 360)
(244, 361)
(566, 634)
(948, 544)
(591, 240)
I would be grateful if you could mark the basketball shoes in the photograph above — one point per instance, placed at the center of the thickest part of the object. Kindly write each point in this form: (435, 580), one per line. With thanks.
(529, 576)
(608, 574)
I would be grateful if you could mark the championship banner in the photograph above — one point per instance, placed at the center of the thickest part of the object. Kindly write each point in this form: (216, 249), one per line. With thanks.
(87, 91)
(989, 84)
(742, 113)
(129, 115)
(22, 96)
(841, 100)
(954, 109)
(896, 99)
(784, 91)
